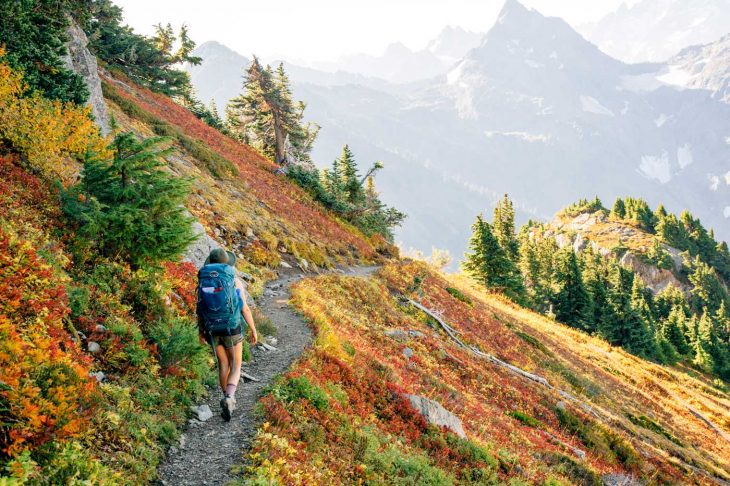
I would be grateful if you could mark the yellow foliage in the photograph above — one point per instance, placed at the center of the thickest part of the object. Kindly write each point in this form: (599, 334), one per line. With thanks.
(47, 133)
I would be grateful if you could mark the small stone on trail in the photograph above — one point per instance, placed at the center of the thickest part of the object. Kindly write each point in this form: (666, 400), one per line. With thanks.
(284, 264)
(247, 377)
(271, 340)
(100, 328)
(268, 347)
(203, 412)
(94, 347)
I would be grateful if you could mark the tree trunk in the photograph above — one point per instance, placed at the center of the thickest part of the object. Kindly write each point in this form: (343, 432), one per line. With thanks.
(279, 136)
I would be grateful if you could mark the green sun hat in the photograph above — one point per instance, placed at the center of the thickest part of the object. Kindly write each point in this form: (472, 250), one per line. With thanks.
(219, 255)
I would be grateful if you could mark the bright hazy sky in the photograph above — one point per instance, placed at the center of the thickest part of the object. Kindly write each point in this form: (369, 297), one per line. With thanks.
(319, 30)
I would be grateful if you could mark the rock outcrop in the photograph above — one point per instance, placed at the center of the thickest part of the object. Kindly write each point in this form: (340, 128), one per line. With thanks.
(436, 414)
(80, 60)
(604, 234)
(656, 279)
(199, 250)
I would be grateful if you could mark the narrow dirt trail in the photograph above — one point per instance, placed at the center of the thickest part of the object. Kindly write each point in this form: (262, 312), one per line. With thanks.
(207, 450)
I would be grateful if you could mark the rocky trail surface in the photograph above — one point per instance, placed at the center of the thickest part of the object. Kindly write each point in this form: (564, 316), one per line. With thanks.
(209, 448)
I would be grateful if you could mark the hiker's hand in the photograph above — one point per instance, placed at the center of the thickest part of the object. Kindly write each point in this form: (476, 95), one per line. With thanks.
(254, 338)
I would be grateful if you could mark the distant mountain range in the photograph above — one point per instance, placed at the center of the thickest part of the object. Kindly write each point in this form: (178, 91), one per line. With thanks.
(654, 30)
(535, 111)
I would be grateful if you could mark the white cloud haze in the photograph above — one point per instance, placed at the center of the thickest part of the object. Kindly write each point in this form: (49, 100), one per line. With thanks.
(320, 30)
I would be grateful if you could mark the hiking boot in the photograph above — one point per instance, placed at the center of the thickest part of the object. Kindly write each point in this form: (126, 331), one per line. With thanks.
(228, 405)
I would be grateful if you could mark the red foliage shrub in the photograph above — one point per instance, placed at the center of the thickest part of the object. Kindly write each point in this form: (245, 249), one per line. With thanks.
(45, 390)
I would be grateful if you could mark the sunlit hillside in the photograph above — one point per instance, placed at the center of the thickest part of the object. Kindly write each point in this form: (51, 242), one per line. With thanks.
(342, 415)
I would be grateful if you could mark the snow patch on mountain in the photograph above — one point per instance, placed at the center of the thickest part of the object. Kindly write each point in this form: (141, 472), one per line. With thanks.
(639, 83)
(714, 182)
(661, 120)
(525, 136)
(656, 167)
(591, 105)
(675, 75)
(684, 155)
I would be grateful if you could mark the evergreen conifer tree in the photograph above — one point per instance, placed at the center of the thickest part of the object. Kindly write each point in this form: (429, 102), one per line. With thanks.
(265, 116)
(504, 228)
(489, 264)
(572, 302)
(673, 329)
(619, 209)
(129, 207)
(350, 178)
(704, 344)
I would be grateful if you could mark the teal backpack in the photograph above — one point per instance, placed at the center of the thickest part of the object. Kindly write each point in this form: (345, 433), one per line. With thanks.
(219, 306)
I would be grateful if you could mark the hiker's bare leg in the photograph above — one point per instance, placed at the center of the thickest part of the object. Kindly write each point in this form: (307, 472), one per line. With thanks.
(234, 357)
(224, 366)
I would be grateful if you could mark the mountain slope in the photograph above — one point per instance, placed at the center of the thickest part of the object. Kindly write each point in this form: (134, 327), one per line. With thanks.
(100, 360)
(654, 30)
(342, 414)
(704, 67)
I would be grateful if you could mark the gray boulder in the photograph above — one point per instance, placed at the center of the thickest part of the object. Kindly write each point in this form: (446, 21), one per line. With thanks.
(202, 412)
(619, 480)
(436, 414)
(80, 60)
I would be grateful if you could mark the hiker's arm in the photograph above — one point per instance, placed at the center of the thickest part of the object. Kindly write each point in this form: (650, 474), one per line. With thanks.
(246, 311)
(249, 320)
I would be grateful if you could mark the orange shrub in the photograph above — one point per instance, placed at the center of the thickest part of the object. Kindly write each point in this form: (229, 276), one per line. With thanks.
(45, 390)
(47, 132)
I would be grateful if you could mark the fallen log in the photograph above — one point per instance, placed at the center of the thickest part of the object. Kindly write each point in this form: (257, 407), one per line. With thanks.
(709, 423)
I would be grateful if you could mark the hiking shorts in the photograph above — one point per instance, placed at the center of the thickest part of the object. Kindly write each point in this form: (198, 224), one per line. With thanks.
(228, 342)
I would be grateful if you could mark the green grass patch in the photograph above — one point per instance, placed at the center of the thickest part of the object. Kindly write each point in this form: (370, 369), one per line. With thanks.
(647, 423)
(299, 388)
(532, 341)
(264, 325)
(526, 419)
(217, 165)
(579, 384)
(459, 295)
(597, 438)
(575, 471)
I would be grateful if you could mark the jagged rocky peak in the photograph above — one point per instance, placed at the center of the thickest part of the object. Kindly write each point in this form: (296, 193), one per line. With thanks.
(454, 42)
(704, 67)
(524, 37)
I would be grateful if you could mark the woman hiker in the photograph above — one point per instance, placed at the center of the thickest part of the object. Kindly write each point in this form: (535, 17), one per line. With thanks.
(221, 310)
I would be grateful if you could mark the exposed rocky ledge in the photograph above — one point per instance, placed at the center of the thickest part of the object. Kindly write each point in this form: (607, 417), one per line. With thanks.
(80, 60)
